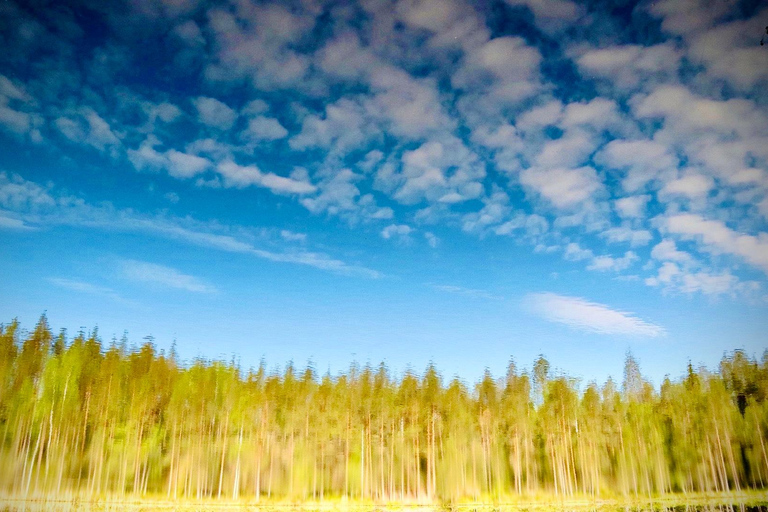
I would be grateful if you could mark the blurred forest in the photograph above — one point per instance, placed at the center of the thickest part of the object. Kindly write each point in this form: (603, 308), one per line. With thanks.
(77, 416)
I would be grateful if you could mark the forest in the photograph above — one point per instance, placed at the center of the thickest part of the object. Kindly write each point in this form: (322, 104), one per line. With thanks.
(83, 417)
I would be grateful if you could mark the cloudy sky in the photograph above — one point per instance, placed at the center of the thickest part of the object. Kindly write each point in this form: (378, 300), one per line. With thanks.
(407, 181)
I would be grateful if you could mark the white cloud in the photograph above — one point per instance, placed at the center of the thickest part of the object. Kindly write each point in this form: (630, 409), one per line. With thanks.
(666, 250)
(631, 66)
(344, 56)
(606, 263)
(254, 45)
(623, 233)
(581, 314)
(396, 231)
(548, 114)
(240, 176)
(643, 161)
(715, 235)
(177, 164)
(264, 128)
(729, 55)
(510, 60)
(337, 194)
(12, 91)
(667, 273)
(570, 150)
(189, 32)
(688, 16)
(533, 225)
(564, 188)
(12, 223)
(433, 15)
(183, 165)
(370, 210)
(671, 276)
(14, 120)
(602, 263)
(293, 237)
(230, 243)
(344, 127)
(691, 185)
(686, 113)
(210, 148)
(92, 289)
(255, 107)
(442, 170)
(38, 206)
(595, 115)
(632, 207)
(574, 252)
(453, 23)
(721, 47)
(496, 209)
(213, 112)
(20, 195)
(506, 143)
(468, 292)
(85, 126)
(166, 112)
(707, 283)
(406, 106)
(145, 272)
(500, 73)
(552, 15)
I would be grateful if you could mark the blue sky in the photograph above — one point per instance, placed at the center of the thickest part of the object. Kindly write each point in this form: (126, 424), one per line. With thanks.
(407, 181)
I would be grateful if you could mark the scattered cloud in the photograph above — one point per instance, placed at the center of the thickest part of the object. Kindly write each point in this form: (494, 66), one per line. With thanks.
(431, 119)
(12, 223)
(552, 15)
(213, 112)
(145, 272)
(84, 287)
(564, 188)
(625, 234)
(666, 250)
(176, 163)
(714, 235)
(468, 292)
(39, 207)
(400, 231)
(601, 263)
(262, 128)
(240, 176)
(691, 185)
(432, 239)
(293, 237)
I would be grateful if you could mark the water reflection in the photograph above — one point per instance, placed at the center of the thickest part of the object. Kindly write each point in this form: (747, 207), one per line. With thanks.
(175, 507)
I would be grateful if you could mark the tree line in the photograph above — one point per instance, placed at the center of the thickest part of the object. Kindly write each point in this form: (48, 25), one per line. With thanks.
(80, 417)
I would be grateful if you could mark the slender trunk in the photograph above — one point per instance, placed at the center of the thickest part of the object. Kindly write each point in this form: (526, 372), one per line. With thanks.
(223, 436)
(362, 463)
(236, 485)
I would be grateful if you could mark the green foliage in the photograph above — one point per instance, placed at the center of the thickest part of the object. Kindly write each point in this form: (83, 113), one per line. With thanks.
(84, 418)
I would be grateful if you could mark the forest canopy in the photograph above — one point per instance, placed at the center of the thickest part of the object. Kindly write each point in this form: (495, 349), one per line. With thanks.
(81, 416)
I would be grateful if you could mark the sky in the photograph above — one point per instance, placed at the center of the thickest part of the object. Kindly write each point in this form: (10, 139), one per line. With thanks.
(407, 181)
